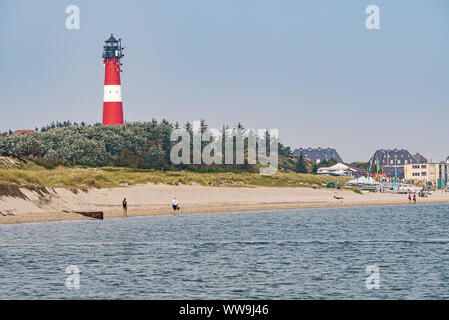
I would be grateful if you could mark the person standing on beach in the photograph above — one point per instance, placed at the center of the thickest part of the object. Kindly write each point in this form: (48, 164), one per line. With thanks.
(175, 205)
(409, 197)
(414, 198)
(125, 207)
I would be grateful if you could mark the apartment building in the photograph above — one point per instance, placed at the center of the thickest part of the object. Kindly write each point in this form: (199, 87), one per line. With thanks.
(436, 174)
(393, 161)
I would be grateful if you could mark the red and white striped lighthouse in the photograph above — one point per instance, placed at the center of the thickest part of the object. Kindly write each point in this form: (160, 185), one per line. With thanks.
(112, 96)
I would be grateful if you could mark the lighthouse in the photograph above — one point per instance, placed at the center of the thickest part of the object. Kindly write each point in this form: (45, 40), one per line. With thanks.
(112, 95)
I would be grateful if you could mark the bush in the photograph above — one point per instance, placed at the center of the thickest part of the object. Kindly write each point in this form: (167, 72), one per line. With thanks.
(50, 163)
(144, 145)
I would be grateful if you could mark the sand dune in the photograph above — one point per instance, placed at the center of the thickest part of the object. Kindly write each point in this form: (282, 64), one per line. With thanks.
(151, 199)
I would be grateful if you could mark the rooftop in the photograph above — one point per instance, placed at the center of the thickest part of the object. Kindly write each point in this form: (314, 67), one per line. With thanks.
(23, 131)
(111, 39)
(318, 154)
(388, 157)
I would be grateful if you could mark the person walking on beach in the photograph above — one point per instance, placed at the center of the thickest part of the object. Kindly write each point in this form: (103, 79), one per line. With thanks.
(175, 205)
(414, 198)
(409, 198)
(125, 207)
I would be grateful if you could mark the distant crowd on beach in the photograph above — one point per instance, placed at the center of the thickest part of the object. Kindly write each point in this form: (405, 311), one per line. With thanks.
(176, 207)
(423, 194)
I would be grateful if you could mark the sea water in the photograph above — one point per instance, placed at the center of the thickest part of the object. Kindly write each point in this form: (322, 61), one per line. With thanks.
(391, 252)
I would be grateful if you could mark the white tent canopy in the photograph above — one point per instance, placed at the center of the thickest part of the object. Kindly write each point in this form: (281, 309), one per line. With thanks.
(339, 169)
(362, 180)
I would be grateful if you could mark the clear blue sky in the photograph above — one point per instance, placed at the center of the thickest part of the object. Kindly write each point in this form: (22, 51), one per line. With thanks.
(309, 68)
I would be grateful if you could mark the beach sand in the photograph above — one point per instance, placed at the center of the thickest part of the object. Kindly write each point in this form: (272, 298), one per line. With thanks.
(151, 199)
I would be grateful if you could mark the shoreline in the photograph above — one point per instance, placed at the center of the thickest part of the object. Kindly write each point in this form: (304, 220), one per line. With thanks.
(152, 200)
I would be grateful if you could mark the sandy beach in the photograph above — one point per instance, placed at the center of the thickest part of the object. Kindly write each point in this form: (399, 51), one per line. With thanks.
(151, 199)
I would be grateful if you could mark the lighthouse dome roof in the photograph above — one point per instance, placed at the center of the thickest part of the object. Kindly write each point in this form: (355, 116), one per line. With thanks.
(111, 39)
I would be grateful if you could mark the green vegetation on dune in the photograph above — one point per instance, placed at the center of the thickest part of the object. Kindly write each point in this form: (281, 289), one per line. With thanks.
(79, 157)
(143, 145)
(84, 178)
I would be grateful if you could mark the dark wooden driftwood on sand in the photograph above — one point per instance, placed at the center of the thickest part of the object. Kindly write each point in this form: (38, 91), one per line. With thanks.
(7, 213)
(91, 214)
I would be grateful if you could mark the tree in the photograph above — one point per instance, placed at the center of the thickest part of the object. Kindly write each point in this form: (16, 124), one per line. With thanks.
(188, 127)
(364, 165)
(165, 122)
(301, 164)
(154, 156)
(203, 126)
(283, 150)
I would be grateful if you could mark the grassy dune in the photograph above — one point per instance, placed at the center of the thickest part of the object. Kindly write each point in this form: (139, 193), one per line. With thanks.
(31, 175)
(114, 177)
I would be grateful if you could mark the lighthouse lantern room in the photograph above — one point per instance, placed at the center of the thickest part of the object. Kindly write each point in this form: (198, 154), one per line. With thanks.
(112, 95)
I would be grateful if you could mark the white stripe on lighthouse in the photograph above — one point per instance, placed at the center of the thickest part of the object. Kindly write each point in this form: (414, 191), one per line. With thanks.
(112, 93)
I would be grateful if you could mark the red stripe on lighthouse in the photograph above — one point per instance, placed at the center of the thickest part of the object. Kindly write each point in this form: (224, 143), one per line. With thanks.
(112, 113)
(112, 71)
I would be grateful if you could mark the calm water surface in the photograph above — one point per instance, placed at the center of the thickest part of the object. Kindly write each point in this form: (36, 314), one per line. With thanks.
(295, 254)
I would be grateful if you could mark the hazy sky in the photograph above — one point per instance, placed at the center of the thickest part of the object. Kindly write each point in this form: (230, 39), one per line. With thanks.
(308, 68)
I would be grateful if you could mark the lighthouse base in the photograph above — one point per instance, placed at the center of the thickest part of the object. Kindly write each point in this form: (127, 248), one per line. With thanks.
(112, 113)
